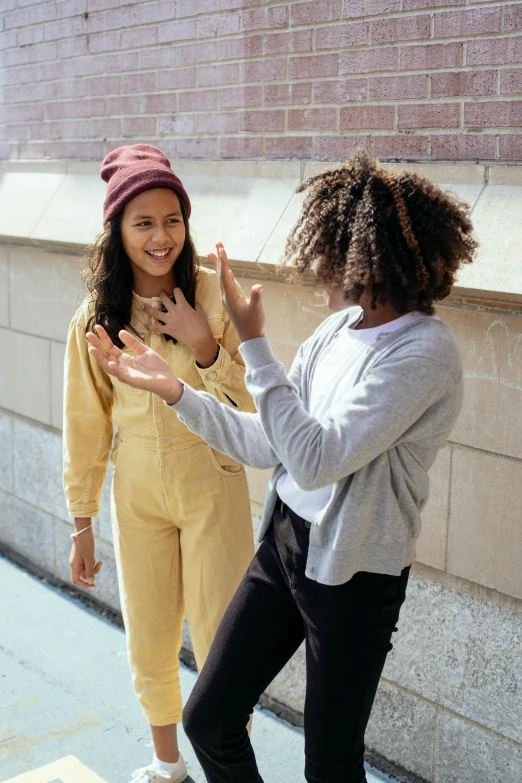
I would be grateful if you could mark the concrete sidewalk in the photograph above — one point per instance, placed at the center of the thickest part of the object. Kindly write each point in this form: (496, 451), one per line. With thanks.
(67, 710)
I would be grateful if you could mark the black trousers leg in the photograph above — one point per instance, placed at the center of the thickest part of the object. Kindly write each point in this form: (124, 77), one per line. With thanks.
(259, 633)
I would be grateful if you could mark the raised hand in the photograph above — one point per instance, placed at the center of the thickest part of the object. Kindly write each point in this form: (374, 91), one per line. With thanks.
(186, 324)
(247, 315)
(143, 368)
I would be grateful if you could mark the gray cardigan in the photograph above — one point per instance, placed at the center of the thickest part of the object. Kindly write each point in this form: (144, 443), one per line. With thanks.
(376, 447)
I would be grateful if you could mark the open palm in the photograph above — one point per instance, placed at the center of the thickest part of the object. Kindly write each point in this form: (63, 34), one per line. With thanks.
(143, 368)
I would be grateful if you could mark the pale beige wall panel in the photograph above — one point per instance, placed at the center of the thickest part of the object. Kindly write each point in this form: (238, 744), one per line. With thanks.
(485, 529)
(57, 359)
(45, 291)
(24, 196)
(4, 286)
(491, 345)
(25, 375)
(431, 547)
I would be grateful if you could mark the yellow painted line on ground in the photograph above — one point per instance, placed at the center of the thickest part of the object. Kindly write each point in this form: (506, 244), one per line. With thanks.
(66, 770)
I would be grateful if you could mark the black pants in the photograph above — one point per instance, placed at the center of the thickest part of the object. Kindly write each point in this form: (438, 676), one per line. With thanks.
(347, 631)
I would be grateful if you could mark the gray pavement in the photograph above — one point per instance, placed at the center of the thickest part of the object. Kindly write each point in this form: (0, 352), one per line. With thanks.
(67, 710)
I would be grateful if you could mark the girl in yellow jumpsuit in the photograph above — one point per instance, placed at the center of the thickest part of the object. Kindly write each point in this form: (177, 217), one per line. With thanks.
(180, 510)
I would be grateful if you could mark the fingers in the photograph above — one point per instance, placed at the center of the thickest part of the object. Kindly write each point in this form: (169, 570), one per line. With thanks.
(179, 296)
(159, 315)
(131, 342)
(101, 357)
(167, 301)
(156, 328)
(106, 341)
(256, 292)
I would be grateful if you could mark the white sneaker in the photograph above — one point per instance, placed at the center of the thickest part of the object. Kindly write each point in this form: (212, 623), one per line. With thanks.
(152, 775)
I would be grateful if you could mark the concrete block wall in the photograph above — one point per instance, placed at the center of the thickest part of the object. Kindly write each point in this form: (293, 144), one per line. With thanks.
(415, 79)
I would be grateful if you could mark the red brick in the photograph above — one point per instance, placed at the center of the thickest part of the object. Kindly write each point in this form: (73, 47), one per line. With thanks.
(30, 54)
(45, 130)
(284, 43)
(413, 5)
(29, 150)
(217, 122)
(85, 150)
(198, 148)
(366, 8)
(58, 111)
(239, 48)
(341, 36)
(75, 7)
(40, 12)
(101, 85)
(313, 66)
(461, 83)
(316, 11)
(109, 63)
(493, 114)
(177, 31)
(24, 112)
(239, 97)
(264, 70)
(265, 18)
(409, 28)
(400, 147)
(72, 129)
(139, 38)
(26, 36)
(459, 24)
(366, 117)
(287, 94)
(128, 104)
(494, 51)
(510, 147)
(177, 123)
(512, 17)
(340, 91)
(138, 126)
(241, 147)
(21, 132)
(338, 147)
(161, 103)
(197, 53)
(90, 107)
(135, 82)
(370, 60)
(429, 115)
(65, 28)
(210, 26)
(396, 88)
(288, 147)
(198, 100)
(194, 7)
(176, 78)
(209, 75)
(9, 151)
(511, 81)
(431, 56)
(312, 119)
(73, 88)
(105, 42)
(108, 126)
(72, 47)
(272, 120)
(463, 147)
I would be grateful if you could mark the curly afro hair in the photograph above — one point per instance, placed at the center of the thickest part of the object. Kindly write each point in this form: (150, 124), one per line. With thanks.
(392, 234)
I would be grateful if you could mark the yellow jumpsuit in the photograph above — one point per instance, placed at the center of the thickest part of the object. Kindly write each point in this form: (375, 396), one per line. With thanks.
(180, 510)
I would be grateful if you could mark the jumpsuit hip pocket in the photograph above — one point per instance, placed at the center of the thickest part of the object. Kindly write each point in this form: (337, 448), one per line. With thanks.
(224, 464)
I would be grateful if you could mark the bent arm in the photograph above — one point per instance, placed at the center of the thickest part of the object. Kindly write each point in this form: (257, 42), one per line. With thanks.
(373, 418)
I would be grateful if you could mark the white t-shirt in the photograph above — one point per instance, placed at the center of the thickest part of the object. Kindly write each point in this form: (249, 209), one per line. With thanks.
(334, 377)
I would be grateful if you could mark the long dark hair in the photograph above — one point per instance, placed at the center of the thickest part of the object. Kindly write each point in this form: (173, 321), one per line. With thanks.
(109, 278)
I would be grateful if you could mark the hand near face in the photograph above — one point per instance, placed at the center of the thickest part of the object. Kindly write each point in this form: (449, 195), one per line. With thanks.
(142, 369)
(247, 315)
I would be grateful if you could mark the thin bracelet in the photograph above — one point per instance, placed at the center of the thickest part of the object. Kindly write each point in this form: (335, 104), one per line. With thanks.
(73, 535)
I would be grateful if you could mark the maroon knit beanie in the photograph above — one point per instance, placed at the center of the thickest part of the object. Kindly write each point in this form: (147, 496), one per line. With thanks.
(131, 170)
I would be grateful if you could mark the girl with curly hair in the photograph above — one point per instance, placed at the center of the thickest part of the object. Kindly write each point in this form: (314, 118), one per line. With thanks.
(352, 432)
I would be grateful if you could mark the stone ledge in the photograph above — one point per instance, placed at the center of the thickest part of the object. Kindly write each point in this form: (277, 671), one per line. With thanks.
(56, 206)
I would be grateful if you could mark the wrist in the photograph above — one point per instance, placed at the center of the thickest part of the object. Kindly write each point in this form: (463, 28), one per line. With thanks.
(246, 335)
(207, 354)
(173, 392)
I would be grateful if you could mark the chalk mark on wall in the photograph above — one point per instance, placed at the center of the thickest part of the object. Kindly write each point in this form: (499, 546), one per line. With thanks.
(512, 343)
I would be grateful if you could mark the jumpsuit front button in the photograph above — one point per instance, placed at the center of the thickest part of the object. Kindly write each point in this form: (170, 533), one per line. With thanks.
(212, 376)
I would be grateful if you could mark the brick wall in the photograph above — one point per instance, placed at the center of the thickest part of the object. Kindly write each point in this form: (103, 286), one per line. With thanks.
(415, 79)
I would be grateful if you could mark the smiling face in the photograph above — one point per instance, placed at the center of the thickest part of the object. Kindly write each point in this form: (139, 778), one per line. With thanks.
(153, 234)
